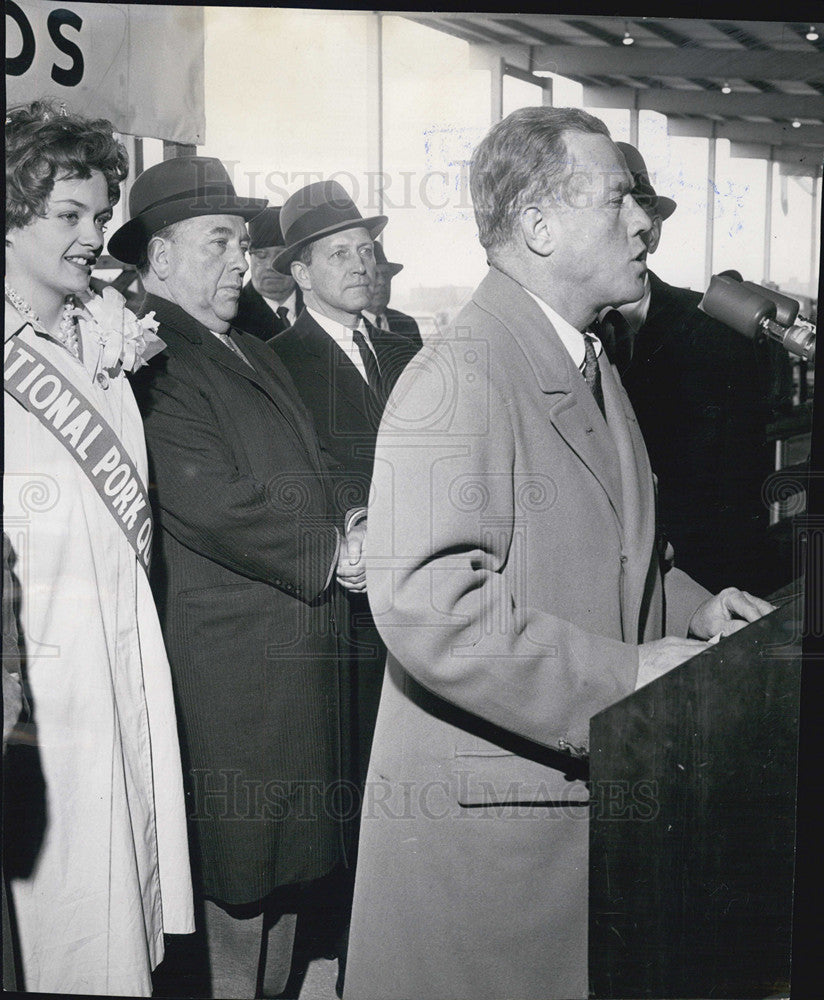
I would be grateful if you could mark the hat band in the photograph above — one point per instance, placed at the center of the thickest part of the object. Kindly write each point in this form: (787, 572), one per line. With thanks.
(319, 218)
(201, 196)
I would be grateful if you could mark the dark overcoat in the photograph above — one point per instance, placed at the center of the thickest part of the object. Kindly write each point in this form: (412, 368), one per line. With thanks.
(700, 393)
(346, 415)
(243, 560)
(407, 326)
(255, 315)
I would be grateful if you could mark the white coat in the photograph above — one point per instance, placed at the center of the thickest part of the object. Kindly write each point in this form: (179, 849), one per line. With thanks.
(111, 872)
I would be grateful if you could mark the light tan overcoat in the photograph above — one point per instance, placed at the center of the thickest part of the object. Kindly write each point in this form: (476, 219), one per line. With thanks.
(512, 573)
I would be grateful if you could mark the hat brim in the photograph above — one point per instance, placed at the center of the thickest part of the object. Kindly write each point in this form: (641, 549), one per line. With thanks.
(393, 268)
(127, 244)
(284, 259)
(666, 206)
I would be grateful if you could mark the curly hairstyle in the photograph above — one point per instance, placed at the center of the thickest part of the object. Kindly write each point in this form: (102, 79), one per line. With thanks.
(44, 143)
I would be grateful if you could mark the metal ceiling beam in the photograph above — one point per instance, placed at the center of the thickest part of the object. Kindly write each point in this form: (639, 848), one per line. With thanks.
(761, 132)
(721, 64)
(809, 160)
(696, 102)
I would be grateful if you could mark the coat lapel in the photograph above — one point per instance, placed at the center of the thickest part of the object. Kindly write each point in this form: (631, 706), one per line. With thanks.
(637, 496)
(332, 366)
(572, 407)
(268, 372)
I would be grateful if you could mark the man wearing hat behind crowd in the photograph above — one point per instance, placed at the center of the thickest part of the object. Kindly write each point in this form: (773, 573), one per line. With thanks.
(699, 391)
(270, 302)
(248, 548)
(380, 291)
(344, 369)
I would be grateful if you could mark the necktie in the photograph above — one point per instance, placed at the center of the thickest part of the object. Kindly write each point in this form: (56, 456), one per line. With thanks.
(592, 374)
(227, 340)
(283, 315)
(370, 364)
(616, 335)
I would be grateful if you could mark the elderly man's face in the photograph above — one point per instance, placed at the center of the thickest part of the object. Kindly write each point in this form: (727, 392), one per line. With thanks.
(206, 261)
(598, 228)
(380, 289)
(265, 279)
(336, 282)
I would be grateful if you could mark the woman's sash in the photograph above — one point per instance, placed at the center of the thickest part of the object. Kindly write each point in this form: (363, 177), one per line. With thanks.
(54, 400)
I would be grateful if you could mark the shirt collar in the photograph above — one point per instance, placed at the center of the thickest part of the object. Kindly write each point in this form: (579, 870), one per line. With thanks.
(290, 302)
(342, 335)
(337, 331)
(572, 339)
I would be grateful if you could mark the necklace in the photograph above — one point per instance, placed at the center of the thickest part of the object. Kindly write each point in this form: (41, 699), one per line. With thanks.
(67, 333)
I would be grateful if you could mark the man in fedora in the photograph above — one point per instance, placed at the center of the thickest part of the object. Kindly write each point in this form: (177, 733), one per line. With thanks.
(378, 312)
(344, 369)
(270, 301)
(700, 392)
(248, 547)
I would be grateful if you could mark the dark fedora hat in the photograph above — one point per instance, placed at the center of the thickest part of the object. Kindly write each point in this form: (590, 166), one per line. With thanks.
(643, 192)
(380, 258)
(315, 211)
(264, 230)
(177, 189)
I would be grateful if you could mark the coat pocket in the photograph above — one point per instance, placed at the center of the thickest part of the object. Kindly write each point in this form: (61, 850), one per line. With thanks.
(495, 777)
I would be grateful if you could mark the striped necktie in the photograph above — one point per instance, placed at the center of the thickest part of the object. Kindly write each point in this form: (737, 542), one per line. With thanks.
(592, 374)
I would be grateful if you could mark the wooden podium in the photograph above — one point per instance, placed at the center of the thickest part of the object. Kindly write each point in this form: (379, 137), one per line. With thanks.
(693, 822)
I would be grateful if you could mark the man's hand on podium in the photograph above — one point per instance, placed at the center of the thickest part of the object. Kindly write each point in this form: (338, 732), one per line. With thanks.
(658, 657)
(727, 612)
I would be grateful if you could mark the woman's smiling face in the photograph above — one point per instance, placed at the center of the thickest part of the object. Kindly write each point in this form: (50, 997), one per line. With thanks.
(54, 254)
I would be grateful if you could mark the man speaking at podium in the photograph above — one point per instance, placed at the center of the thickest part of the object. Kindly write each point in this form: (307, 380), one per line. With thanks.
(512, 571)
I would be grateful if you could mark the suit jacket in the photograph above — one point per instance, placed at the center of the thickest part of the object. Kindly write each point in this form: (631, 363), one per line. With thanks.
(512, 572)
(246, 542)
(345, 411)
(700, 392)
(346, 415)
(405, 325)
(255, 316)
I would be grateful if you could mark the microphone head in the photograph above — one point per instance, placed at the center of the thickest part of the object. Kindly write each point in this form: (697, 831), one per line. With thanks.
(740, 307)
(786, 309)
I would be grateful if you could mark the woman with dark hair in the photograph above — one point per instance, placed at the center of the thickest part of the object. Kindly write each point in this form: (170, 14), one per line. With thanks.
(99, 874)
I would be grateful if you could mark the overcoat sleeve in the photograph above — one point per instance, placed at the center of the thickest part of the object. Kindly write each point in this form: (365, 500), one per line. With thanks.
(683, 596)
(442, 576)
(272, 532)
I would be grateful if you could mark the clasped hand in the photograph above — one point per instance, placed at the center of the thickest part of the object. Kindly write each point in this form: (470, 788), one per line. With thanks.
(351, 571)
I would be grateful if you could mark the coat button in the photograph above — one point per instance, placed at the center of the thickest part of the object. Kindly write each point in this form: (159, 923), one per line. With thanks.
(624, 559)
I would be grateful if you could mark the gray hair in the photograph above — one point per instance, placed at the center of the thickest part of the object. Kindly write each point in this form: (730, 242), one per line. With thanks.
(518, 161)
(167, 233)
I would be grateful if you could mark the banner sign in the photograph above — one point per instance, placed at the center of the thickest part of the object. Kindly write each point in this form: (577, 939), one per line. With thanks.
(62, 409)
(139, 65)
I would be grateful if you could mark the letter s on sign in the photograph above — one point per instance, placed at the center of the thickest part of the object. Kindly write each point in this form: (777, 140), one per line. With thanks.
(74, 74)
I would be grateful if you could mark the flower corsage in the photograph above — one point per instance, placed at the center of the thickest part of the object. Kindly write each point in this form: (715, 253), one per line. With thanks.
(125, 342)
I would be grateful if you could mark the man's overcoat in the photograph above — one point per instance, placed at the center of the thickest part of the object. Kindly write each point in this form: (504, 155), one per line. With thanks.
(242, 569)
(512, 571)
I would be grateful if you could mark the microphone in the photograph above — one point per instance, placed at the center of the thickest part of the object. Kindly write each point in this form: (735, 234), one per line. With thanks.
(757, 312)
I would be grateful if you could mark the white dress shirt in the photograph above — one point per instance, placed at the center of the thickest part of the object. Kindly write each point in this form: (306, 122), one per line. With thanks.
(572, 339)
(379, 322)
(291, 303)
(342, 335)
